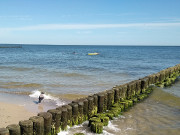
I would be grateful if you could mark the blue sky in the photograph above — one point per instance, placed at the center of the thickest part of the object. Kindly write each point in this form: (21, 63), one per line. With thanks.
(90, 22)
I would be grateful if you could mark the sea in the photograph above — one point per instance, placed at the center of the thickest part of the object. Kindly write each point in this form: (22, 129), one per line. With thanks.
(66, 72)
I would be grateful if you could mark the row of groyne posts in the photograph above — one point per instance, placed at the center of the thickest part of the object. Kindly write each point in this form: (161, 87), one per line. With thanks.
(98, 108)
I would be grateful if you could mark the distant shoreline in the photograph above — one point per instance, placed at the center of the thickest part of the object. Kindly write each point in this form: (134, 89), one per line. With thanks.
(10, 46)
(15, 44)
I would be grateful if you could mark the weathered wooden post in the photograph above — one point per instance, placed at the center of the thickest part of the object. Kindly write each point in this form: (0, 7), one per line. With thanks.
(157, 77)
(116, 94)
(81, 115)
(138, 87)
(56, 120)
(129, 91)
(14, 129)
(47, 122)
(121, 93)
(133, 89)
(26, 127)
(105, 100)
(4, 131)
(100, 103)
(90, 106)
(38, 125)
(69, 115)
(144, 84)
(75, 113)
(95, 107)
(64, 118)
(85, 109)
(125, 88)
(110, 100)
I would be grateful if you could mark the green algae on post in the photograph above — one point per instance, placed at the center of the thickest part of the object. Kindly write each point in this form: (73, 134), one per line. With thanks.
(97, 127)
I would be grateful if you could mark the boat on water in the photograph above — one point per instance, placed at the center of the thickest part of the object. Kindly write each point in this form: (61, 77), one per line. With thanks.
(93, 53)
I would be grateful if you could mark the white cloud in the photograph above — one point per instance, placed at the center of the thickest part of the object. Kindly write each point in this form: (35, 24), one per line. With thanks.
(89, 26)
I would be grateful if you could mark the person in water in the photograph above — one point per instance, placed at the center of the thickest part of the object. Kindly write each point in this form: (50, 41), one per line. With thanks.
(41, 97)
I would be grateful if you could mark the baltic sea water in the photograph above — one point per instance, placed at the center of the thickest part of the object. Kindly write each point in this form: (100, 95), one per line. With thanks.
(59, 70)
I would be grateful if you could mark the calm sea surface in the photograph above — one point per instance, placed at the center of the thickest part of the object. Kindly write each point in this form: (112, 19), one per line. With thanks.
(61, 70)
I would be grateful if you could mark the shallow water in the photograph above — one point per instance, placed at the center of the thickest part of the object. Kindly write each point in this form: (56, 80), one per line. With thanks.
(157, 115)
(68, 71)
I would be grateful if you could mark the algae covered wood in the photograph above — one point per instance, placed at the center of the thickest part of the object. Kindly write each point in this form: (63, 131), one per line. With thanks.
(116, 94)
(81, 115)
(14, 129)
(4, 131)
(38, 125)
(110, 100)
(97, 127)
(75, 113)
(64, 118)
(90, 106)
(26, 127)
(69, 114)
(56, 120)
(101, 103)
(85, 109)
(47, 122)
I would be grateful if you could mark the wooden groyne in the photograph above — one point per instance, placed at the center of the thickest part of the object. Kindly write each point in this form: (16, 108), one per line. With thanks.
(98, 108)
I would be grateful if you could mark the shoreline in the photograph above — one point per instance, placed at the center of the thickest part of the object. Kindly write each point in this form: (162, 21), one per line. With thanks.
(12, 114)
(16, 107)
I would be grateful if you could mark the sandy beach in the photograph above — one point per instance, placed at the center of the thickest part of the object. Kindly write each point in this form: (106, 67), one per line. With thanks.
(12, 114)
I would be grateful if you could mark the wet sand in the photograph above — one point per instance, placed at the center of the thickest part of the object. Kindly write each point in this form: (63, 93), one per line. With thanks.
(12, 114)
(71, 97)
(15, 107)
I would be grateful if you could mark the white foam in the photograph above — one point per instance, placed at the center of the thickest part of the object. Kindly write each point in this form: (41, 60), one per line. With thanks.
(106, 133)
(128, 128)
(36, 94)
(122, 117)
(113, 127)
(64, 132)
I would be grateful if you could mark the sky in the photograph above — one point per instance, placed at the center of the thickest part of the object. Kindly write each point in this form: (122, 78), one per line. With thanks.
(90, 22)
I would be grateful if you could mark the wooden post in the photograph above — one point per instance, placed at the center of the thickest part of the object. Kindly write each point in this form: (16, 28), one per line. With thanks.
(4, 131)
(26, 127)
(14, 129)
(47, 122)
(38, 125)
(56, 120)
(100, 103)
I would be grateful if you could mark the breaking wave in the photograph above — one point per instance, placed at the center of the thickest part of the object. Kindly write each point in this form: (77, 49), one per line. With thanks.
(36, 94)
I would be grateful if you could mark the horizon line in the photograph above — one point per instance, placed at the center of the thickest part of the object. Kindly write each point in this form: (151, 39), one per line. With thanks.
(81, 44)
